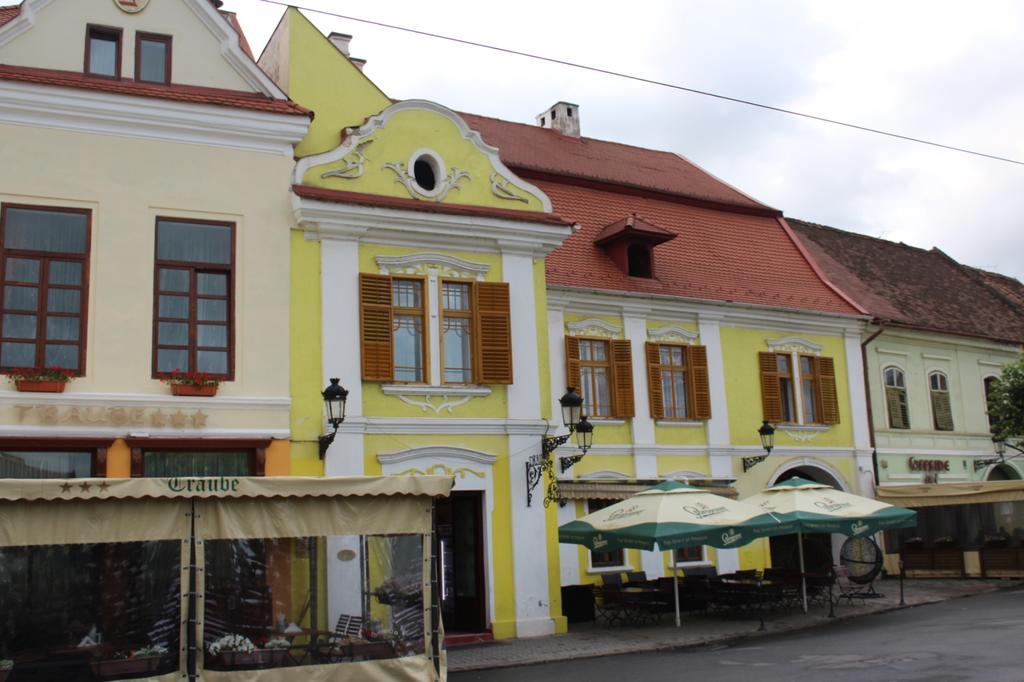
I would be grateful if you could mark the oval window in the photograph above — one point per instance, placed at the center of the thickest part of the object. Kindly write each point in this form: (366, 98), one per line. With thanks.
(425, 174)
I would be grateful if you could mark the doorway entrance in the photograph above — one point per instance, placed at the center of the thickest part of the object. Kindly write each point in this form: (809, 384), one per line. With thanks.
(819, 554)
(460, 550)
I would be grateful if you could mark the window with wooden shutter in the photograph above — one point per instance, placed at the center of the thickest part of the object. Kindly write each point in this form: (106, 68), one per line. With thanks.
(896, 398)
(572, 363)
(375, 327)
(622, 378)
(700, 388)
(942, 409)
(654, 379)
(825, 370)
(493, 333)
(771, 396)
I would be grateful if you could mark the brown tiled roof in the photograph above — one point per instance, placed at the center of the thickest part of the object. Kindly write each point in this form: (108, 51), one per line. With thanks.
(633, 225)
(911, 287)
(543, 150)
(232, 19)
(343, 197)
(718, 255)
(8, 12)
(1009, 288)
(174, 91)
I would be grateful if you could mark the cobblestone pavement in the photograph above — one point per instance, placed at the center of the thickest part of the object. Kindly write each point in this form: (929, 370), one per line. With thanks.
(587, 640)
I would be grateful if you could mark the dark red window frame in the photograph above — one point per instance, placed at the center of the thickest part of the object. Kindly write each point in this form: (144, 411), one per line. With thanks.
(97, 447)
(153, 38)
(195, 269)
(105, 32)
(256, 447)
(44, 258)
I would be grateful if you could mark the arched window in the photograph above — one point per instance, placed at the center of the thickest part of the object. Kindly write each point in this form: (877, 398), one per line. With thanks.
(990, 385)
(942, 410)
(896, 398)
(639, 255)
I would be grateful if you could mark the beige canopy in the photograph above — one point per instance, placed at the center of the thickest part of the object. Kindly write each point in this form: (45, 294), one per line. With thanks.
(942, 494)
(58, 511)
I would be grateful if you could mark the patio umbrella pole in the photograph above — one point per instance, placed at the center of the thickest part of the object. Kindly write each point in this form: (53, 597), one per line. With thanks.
(675, 584)
(803, 575)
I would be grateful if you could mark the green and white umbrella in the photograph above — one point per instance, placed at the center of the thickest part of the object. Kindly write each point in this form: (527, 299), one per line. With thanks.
(804, 506)
(669, 516)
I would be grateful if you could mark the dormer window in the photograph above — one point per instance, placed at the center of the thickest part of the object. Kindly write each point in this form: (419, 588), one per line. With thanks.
(152, 58)
(103, 51)
(630, 244)
(639, 257)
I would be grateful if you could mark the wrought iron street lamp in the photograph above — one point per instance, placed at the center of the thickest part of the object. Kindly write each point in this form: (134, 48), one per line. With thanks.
(578, 424)
(335, 397)
(767, 434)
(999, 445)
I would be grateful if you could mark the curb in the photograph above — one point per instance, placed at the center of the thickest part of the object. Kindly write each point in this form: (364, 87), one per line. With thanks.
(728, 640)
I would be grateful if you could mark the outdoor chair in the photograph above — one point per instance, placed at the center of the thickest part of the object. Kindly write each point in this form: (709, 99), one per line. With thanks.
(337, 647)
(695, 571)
(609, 607)
(848, 589)
(636, 577)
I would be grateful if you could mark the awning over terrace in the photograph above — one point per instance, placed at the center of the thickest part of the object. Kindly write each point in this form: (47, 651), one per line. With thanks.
(946, 494)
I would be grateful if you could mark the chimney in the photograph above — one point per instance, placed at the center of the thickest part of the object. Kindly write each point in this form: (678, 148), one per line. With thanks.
(341, 41)
(357, 62)
(563, 117)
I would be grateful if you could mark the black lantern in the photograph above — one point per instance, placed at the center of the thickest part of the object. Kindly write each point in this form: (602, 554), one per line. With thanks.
(1000, 447)
(584, 434)
(572, 408)
(767, 433)
(335, 397)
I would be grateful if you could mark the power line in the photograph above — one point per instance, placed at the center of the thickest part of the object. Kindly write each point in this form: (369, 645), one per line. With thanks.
(649, 81)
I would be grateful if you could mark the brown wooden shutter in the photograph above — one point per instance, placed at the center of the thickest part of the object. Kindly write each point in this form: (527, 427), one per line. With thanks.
(654, 381)
(375, 327)
(493, 322)
(700, 388)
(771, 396)
(942, 409)
(825, 370)
(622, 378)
(896, 404)
(572, 363)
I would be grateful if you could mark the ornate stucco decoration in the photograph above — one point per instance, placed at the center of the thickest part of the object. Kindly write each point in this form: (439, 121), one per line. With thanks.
(355, 136)
(436, 399)
(594, 327)
(501, 189)
(353, 164)
(442, 470)
(427, 263)
(444, 185)
(802, 433)
(793, 344)
(672, 335)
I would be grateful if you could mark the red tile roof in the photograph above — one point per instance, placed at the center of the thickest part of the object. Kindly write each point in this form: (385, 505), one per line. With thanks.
(633, 225)
(232, 19)
(176, 92)
(543, 150)
(718, 255)
(343, 197)
(906, 286)
(8, 12)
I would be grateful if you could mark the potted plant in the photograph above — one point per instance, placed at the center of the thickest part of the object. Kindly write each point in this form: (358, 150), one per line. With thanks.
(5, 668)
(191, 383)
(239, 651)
(40, 379)
(130, 662)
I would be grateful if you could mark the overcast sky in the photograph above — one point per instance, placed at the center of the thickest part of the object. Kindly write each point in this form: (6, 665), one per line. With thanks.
(945, 71)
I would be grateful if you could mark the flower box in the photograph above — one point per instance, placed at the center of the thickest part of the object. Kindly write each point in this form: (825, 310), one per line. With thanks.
(119, 667)
(207, 391)
(259, 657)
(40, 386)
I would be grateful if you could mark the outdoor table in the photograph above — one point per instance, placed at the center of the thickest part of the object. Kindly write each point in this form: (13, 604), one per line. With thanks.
(643, 604)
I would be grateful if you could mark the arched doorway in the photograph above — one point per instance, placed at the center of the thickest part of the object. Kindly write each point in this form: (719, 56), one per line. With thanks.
(1003, 472)
(820, 549)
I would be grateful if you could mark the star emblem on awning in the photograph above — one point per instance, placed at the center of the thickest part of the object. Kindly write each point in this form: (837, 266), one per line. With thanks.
(84, 485)
(103, 486)
(65, 487)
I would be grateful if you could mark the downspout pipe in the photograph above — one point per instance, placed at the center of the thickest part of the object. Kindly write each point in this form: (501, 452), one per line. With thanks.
(867, 393)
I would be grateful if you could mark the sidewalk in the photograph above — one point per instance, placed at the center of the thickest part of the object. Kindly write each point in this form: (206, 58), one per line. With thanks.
(587, 640)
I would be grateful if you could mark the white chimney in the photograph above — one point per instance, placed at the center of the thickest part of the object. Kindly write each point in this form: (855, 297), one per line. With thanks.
(357, 62)
(341, 41)
(563, 117)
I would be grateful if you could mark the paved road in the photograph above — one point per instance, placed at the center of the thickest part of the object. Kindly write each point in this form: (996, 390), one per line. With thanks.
(977, 639)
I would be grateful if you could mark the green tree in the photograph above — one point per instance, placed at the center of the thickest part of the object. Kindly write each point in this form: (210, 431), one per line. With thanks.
(1006, 403)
